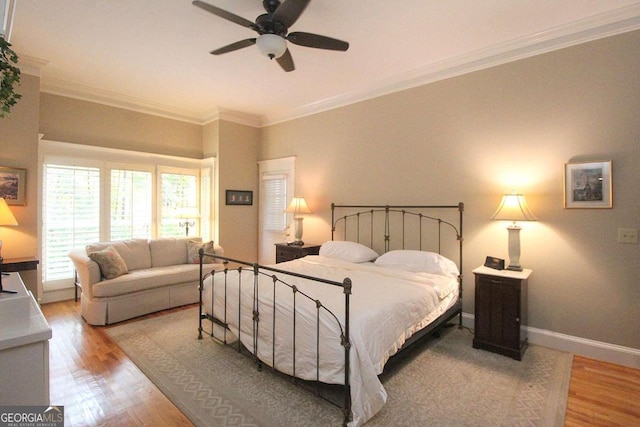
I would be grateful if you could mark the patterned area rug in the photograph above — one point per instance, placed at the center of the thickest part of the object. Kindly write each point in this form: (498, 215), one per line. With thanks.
(441, 382)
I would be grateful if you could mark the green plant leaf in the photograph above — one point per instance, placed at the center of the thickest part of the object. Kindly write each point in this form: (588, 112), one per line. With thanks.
(9, 78)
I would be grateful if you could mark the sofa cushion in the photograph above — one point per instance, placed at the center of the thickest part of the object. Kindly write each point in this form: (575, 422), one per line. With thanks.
(169, 251)
(194, 252)
(111, 263)
(148, 278)
(134, 252)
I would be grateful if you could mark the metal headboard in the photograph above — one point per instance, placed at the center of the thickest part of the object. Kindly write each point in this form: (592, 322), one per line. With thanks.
(367, 216)
(365, 224)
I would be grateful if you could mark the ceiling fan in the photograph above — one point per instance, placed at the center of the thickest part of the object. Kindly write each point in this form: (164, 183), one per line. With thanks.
(273, 30)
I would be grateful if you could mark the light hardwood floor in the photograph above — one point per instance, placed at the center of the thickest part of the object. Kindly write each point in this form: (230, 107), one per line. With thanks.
(98, 385)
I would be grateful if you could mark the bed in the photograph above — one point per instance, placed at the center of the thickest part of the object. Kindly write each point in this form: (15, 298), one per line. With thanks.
(380, 284)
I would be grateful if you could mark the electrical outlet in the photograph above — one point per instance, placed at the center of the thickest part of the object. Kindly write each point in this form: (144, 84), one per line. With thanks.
(628, 235)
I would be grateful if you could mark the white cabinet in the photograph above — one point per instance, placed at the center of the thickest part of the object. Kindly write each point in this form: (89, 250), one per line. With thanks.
(24, 347)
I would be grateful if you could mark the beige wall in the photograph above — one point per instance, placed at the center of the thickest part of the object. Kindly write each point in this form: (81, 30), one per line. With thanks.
(469, 139)
(234, 145)
(238, 170)
(473, 138)
(19, 148)
(81, 122)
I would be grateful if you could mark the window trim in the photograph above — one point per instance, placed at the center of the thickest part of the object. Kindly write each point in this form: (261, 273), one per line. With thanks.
(70, 154)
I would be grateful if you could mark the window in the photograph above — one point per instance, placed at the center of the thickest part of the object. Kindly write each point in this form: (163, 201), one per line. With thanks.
(274, 188)
(131, 204)
(86, 199)
(71, 207)
(179, 203)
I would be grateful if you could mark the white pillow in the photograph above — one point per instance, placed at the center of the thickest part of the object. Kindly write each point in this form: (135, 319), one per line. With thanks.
(418, 261)
(347, 251)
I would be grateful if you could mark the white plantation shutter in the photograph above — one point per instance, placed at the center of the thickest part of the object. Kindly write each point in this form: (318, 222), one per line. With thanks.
(91, 194)
(131, 204)
(178, 191)
(275, 202)
(71, 216)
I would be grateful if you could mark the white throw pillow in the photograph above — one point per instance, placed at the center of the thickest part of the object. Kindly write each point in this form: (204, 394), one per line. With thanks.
(418, 261)
(347, 251)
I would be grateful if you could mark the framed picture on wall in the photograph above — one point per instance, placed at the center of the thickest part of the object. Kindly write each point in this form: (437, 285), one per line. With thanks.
(13, 184)
(588, 185)
(239, 197)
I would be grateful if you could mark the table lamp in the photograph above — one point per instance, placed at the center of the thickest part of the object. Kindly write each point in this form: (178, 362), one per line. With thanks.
(188, 218)
(513, 207)
(296, 207)
(6, 218)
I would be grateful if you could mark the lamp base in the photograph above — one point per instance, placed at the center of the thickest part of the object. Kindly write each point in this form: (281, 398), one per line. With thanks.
(298, 231)
(297, 243)
(514, 248)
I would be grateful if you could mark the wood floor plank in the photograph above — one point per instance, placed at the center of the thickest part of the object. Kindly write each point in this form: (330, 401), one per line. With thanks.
(99, 385)
(95, 381)
(603, 394)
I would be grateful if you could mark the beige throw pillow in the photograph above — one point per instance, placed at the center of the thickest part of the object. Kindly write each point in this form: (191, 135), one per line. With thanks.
(110, 262)
(194, 252)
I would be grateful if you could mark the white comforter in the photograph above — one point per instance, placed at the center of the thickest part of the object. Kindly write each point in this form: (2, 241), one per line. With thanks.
(387, 307)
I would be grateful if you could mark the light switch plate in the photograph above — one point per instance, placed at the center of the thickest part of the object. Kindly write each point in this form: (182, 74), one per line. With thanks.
(628, 235)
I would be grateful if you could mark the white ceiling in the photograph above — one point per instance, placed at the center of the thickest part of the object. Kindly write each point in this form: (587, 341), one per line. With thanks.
(152, 55)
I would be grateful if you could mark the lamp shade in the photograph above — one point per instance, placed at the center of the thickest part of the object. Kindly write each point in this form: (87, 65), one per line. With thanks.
(298, 205)
(513, 207)
(6, 216)
(188, 213)
(271, 45)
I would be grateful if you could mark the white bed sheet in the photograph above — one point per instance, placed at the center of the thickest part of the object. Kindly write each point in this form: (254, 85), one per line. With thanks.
(387, 306)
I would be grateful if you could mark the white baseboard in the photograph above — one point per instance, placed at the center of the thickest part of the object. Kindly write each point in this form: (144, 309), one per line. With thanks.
(58, 295)
(606, 352)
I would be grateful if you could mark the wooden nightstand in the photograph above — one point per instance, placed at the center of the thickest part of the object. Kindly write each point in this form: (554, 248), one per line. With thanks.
(285, 252)
(501, 311)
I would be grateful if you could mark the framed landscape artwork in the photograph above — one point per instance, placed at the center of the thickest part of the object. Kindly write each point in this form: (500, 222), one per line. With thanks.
(588, 185)
(13, 182)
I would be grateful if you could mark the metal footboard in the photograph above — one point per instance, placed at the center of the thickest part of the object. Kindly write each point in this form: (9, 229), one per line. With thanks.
(277, 281)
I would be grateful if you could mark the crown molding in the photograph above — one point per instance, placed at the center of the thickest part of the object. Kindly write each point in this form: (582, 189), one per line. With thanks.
(221, 113)
(85, 93)
(597, 27)
(100, 96)
(30, 64)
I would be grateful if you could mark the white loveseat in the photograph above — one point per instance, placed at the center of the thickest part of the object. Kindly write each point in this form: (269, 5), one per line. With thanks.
(157, 274)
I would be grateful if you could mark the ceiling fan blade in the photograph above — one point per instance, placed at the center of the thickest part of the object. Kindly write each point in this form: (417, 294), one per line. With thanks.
(234, 46)
(225, 15)
(289, 11)
(286, 61)
(317, 41)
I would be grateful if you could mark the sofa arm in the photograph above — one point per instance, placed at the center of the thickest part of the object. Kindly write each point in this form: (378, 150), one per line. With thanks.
(87, 270)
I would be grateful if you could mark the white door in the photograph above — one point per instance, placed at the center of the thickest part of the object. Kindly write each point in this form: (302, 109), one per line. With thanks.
(276, 189)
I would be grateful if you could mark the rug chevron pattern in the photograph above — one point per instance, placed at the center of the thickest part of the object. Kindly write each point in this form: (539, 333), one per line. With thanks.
(442, 382)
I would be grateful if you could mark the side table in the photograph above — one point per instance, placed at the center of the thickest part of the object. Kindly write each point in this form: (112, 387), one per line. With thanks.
(501, 311)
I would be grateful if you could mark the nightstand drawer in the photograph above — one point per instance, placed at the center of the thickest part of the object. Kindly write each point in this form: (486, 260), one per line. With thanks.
(286, 252)
(498, 281)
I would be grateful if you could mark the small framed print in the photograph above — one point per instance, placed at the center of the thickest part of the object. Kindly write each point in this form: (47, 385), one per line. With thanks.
(588, 185)
(13, 184)
(239, 197)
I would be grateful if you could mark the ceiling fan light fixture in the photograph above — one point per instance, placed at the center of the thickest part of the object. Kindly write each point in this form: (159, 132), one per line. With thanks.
(271, 45)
